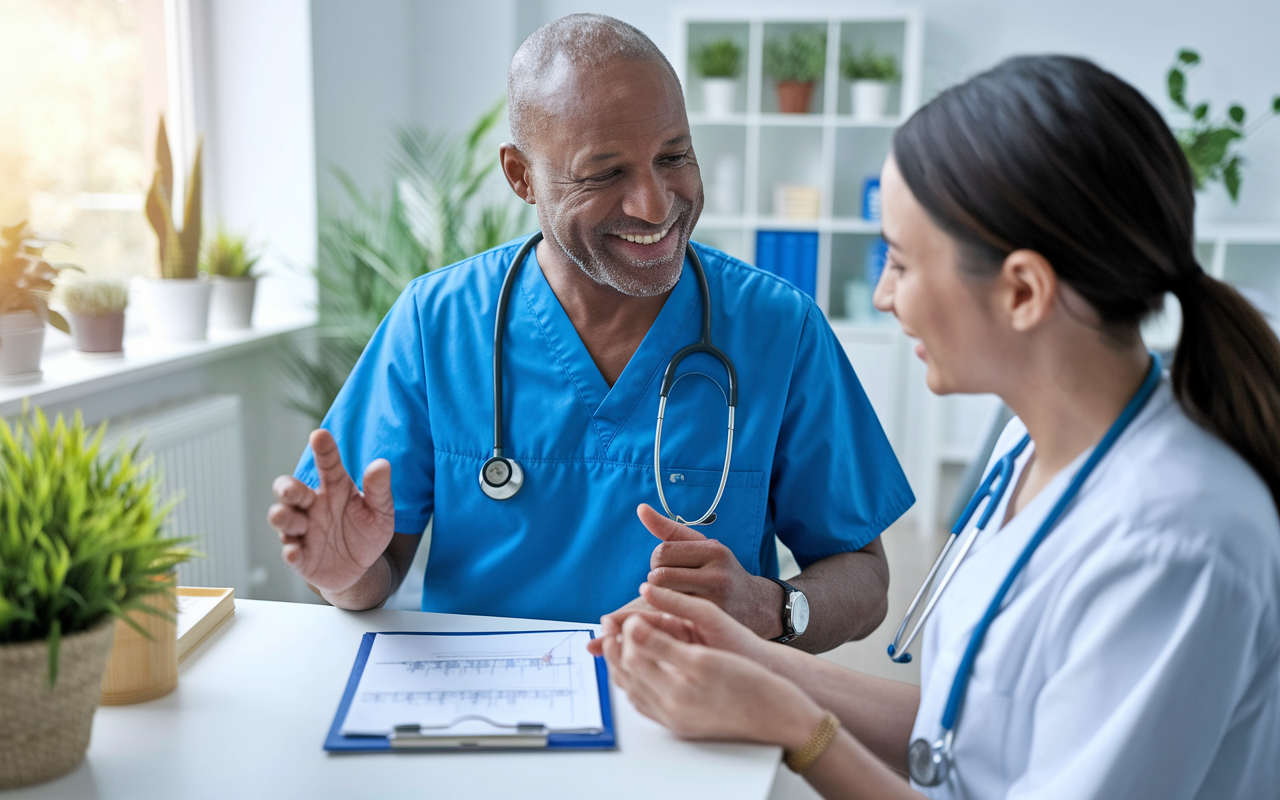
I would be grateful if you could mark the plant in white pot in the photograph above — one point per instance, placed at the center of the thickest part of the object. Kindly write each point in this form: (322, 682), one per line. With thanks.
(175, 301)
(26, 280)
(871, 75)
(95, 308)
(80, 546)
(719, 62)
(229, 260)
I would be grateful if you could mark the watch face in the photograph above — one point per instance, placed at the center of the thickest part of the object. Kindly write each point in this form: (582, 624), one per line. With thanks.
(799, 612)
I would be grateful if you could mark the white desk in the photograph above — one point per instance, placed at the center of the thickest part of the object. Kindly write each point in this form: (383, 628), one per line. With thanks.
(255, 701)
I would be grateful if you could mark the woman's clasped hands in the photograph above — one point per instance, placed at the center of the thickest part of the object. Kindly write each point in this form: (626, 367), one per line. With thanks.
(693, 668)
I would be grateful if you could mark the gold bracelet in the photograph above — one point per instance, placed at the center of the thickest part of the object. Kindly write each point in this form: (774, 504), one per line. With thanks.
(801, 760)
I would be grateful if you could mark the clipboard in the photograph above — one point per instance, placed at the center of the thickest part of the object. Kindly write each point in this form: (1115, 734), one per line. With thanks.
(525, 737)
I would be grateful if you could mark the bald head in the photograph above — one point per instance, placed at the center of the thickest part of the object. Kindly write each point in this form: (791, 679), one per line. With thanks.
(559, 49)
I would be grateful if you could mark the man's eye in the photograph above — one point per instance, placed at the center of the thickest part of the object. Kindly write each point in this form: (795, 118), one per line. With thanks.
(677, 159)
(603, 177)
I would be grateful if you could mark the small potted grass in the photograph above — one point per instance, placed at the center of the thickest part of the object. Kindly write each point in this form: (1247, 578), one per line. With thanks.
(80, 547)
(796, 62)
(871, 75)
(228, 262)
(95, 309)
(718, 63)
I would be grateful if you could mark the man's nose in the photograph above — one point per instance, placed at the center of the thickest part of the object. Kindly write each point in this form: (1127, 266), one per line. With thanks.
(648, 198)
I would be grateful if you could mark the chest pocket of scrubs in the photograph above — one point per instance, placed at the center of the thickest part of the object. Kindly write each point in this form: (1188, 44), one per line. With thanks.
(739, 519)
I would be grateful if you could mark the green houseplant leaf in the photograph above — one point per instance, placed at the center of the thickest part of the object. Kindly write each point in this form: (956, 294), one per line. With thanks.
(430, 218)
(80, 531)
(799, 57)
(719, 58)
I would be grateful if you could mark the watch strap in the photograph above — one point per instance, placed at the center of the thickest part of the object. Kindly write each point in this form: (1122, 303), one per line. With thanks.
(788, 630)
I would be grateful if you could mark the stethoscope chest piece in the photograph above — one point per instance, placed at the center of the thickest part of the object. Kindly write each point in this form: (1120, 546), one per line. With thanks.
(501, 478)
(929, 763)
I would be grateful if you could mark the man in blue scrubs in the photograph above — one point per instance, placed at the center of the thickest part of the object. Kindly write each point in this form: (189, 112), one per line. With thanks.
(601, 147)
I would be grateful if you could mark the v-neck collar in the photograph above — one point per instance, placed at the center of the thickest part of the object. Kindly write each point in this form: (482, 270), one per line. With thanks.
(608, 407)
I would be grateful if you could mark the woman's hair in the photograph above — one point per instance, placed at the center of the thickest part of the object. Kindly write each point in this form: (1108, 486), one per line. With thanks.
(1055, 155)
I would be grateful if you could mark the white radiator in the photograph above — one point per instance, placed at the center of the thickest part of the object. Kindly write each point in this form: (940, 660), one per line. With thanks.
(199, 451)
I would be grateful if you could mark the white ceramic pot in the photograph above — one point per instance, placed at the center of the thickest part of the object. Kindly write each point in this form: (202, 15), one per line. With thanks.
(175, 309)
(21, 345)
(231, 302)
(718, 96)
(870, 100)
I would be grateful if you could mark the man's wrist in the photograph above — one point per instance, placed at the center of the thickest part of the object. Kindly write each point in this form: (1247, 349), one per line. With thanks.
(768, 610)
(370, 591)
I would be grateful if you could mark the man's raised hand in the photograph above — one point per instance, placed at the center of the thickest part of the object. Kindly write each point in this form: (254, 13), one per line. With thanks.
(331, 536)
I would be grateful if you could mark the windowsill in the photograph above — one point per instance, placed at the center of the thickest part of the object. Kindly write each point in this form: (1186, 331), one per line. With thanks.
(69, 376)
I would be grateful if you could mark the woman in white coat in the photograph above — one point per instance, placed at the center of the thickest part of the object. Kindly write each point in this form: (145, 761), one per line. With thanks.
(1036, 214)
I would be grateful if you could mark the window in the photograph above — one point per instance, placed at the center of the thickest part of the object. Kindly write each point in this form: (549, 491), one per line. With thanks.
(82, 84)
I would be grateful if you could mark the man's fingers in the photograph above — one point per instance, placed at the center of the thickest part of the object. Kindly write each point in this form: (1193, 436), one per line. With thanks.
(668, 530)
(698, 610)
(686, 554)
(327, 458)
(690, 581)
(377, 487)
(287, 520)
(292, 554)
(293, 492)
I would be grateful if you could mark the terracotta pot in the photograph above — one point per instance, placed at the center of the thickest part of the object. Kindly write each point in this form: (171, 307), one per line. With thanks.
(231, 303)
(177, 309)
(21, 345)
(44, 730)
(97, 334)
(793, 97)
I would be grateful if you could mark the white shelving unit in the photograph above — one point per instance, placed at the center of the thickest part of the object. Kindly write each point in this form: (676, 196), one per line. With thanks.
(826, 147)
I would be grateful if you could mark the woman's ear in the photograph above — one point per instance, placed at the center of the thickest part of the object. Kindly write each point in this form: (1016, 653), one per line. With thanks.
(515, 168)
(1030, 287)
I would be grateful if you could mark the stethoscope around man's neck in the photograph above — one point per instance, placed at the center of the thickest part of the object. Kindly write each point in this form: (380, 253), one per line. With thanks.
(501, 477)
(929, 763)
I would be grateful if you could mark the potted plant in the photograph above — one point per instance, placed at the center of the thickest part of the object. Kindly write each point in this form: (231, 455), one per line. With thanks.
(228, 263)
(1209, 144)
(26, 280)
(81, 546)
(871, 75)
(95, 308)
(796, 62)
(176, 301)
(718, 62)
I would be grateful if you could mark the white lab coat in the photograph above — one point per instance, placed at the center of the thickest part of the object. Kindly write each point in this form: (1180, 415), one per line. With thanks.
(1138, 654)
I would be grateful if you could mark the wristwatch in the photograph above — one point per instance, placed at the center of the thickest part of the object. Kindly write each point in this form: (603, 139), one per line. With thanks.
(795, 611)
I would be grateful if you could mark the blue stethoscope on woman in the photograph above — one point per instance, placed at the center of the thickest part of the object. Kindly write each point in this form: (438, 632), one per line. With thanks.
(930, 763)
(502, 477)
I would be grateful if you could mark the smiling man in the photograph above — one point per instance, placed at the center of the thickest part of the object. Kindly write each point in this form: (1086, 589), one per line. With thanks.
(596, 311)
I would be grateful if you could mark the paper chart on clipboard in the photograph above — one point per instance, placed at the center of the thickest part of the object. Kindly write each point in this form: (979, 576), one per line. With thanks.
(451, 685)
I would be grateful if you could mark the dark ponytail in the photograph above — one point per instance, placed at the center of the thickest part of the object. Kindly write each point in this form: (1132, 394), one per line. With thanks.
(1054, 154)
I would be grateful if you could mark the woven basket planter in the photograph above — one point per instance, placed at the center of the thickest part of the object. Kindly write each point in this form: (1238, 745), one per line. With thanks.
(44, 731)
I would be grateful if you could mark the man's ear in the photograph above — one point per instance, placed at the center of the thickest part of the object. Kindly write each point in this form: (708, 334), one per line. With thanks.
(1030, 288)
(515, 167)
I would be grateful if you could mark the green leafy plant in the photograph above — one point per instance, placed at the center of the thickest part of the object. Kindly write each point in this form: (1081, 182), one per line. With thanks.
(869, 65)
(229, 255)
(94, 296)
(26, 279)
(800, 57)
(80, 536)
(369, 254)
(1208, 143)
(179, 249)
(719, 58)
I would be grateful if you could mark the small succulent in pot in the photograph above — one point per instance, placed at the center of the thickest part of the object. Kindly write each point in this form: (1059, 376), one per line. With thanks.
(229, 260)
(95, 307)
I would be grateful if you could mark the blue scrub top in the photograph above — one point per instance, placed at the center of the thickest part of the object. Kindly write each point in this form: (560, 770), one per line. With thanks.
(811, 463)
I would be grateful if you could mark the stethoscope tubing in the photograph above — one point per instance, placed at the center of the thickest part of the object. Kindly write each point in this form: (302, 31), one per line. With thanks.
(669, 378)
(992, 490)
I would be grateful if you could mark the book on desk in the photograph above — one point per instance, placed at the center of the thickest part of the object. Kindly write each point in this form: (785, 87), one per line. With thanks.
(474, 691)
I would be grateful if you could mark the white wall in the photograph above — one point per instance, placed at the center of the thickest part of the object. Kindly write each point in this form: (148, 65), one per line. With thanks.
(1136, 39)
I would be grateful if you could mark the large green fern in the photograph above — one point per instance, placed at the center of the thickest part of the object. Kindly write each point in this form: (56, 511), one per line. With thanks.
(432, 217)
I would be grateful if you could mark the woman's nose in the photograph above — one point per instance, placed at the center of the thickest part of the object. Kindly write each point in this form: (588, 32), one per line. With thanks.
(882, 298)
